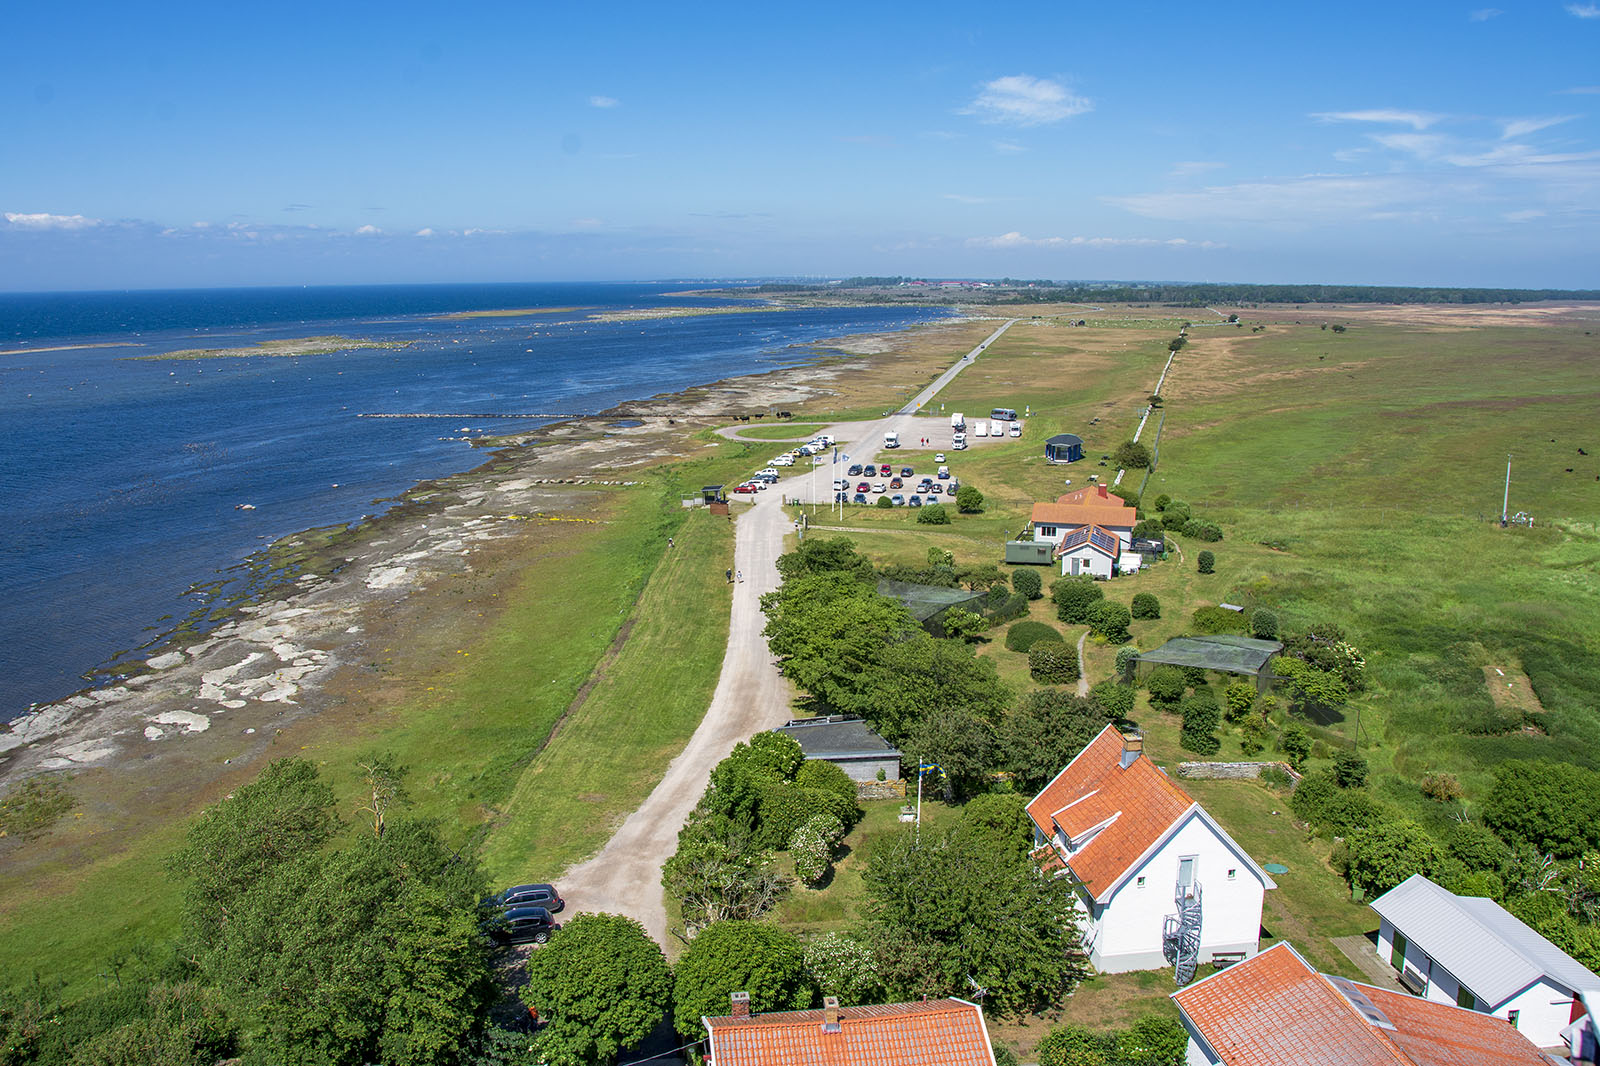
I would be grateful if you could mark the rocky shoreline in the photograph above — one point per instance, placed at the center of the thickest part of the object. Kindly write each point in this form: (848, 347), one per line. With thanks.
(222, 695)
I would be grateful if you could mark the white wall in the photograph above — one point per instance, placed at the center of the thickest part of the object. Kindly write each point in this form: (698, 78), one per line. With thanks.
(1543, 1009)
(1089, 562)
(1197, 1055)
(1129, 930)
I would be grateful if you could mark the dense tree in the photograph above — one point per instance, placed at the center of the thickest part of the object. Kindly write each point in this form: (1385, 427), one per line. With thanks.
(729, 957)
(1239, 699)
(1206, 562)
(1308, 687)
(1052, 662)
(1165, 684)
(1295, 743)
(842, 965)
(917, 674)
(933, 514)
(824, 775)
(969, 500)
(1024, 634)
(1075, 1045)
(1553, 806)
(1145, 605)
(1001, 819)
(822, 555)
(962, 624)
(828, 629)
(1476, 847)
(1115, 701)
(1109, 620)
(1131, 455)
(1349, 770)
(719, 873)
(961, 743)
(1320, 801)
(1201, 716)
(600, 985)
(178, 1025)
(1383, 855)
(1264, 624)
(1074, 596)
(957, 905)
(1028, 582)
(1044, 732)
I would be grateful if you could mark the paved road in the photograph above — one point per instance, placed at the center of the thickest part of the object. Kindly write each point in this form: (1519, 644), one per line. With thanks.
(625, 877)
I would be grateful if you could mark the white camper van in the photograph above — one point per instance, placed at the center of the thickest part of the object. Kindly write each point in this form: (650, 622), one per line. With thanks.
(958, 421)
(891, 440)
(980, 429)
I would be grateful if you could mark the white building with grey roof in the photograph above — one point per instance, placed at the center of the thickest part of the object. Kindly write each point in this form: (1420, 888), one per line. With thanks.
(1474, 953)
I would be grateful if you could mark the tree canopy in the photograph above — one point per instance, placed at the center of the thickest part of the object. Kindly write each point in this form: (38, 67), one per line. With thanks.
(729, 957)
(600, 985)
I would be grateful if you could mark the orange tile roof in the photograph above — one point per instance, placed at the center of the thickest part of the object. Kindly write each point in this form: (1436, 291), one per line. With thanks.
(1097, 495)
(1275, 1010)
(1083, 514)
(1140, 803)
(940, 1032)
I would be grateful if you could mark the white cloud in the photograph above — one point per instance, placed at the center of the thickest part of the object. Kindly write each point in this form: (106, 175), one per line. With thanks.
(1303, 201)
(1523, 216)
(1580, 90)
(1417, 120)
(1584, 11)
(604, 101)
(1023, 100)
(1484, 14)
(1008, 147)
(43, 220)
(1421, 145)
(1521, 127)
(1017, 240)
(1191, 168)
(368, 231)
(425, 231)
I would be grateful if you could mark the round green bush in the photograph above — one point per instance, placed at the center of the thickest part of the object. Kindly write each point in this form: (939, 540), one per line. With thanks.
(934, 514)
(1264, 624)
(1115, 701)
(1053, 662)
(884, 503)
(1110, 620)
(1206, 563)
(1074, 596)
(1028, 582)
(1127, 657)
(1165, 684)
(1145, 605)
(1024, 635)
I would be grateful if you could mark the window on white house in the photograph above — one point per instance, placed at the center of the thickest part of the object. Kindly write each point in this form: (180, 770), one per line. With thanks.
(1511, 1016)
(1139, 883)
(1233, 874)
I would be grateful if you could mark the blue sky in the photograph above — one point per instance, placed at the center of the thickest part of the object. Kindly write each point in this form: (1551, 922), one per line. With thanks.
(180, 144)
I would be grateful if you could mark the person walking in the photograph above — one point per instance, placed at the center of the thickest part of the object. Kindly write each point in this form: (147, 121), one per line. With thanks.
(730, 576)
(741, 575)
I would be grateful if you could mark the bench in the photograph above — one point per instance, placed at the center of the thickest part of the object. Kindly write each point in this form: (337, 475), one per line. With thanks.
(1414, 982)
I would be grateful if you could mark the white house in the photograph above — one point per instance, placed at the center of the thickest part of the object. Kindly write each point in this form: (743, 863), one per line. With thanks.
(1474, 953)
(1275, 1010)
(1089, 550)
(1092, 506)
(1156, 870)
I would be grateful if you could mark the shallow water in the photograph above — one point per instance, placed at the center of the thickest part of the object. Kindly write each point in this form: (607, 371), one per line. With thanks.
(124, 482)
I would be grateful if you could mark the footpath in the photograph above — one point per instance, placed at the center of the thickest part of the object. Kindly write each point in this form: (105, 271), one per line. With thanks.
(625, 876)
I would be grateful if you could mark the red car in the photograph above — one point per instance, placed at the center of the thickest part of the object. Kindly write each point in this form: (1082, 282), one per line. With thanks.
(863, 487)
(895, 483)
(746, 487)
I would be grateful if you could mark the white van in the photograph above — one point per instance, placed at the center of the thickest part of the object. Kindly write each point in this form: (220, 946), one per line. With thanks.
(980, 429)
(891, 440)
(958, 421)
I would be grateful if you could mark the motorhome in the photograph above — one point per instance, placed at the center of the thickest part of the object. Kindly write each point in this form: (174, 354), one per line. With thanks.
(980, 429)
(891, 440)
(958, 421)
(1004, 414)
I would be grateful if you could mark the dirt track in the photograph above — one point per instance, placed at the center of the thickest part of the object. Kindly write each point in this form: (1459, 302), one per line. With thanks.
(625, 877)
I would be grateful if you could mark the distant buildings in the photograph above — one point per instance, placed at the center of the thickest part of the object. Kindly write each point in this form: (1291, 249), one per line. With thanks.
(848, 743)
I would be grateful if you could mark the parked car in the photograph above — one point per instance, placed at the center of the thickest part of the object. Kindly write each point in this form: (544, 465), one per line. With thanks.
(544, 896)
(960, 446)
(898, 500)
(896, 483)
(522, 925)
(863, 487)
(1016, 429)
(915, 501)
(906, 471)
(878, 486)
(938, 457)
(747, 487)
(783, 460)
(944, 473)
(871, 470)
(936, 489)
(854, 471)
(861, 497)
(841, 497)
(953, 487)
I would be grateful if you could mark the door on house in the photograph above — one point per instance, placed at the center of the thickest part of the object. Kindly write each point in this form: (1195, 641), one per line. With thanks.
(1186, 875)
(1398, 958)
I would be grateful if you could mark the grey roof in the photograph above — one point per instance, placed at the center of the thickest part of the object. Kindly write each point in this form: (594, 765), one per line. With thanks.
(1222, 651)
(1483, 945)
(925, 601)
(1064, 438)
(836, 737)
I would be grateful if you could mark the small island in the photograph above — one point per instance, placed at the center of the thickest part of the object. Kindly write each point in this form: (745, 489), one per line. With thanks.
(292, 347)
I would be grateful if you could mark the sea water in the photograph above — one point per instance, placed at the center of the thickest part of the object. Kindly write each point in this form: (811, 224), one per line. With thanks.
(123, 481)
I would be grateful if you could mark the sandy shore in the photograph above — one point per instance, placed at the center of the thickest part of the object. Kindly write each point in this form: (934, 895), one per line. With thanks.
(220, 700)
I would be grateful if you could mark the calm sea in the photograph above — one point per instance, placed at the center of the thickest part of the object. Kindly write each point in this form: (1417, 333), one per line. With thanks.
(120, 478)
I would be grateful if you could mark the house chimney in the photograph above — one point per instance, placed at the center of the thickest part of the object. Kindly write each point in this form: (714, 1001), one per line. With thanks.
(830, 1014)
(1132, 745)
(741, 1004)
(1104, 495)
